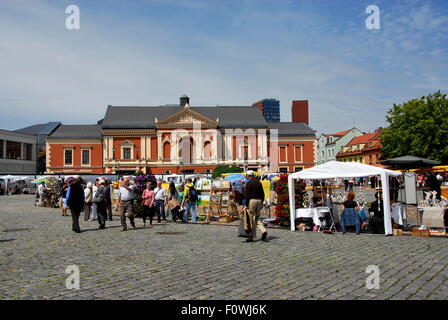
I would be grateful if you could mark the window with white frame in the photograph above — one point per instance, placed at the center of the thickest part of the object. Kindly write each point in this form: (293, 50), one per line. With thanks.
(68, 157)
(85, 157)
(127, 153)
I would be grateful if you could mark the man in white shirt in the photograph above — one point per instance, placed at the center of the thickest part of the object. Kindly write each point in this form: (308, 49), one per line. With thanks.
(41, 191)
(125, 202)
(160, 198)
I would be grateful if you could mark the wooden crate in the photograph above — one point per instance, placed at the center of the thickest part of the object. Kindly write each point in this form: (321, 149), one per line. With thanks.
(420, 233)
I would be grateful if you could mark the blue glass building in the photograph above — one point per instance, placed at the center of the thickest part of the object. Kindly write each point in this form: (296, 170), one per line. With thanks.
(270, 109)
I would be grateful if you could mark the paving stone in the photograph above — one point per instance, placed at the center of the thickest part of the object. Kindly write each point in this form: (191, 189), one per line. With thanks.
(206, 261)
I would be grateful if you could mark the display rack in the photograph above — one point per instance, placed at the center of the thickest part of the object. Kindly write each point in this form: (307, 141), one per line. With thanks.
(222, 205)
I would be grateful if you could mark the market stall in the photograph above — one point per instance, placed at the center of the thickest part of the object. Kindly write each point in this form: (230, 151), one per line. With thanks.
(432, 216)
(336, 169)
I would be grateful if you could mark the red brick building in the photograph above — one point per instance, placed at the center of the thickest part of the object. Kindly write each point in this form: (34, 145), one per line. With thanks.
(180, 139)
(75, 149)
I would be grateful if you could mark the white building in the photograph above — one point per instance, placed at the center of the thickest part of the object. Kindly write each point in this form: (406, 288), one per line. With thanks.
(330, 144)
(17, 153)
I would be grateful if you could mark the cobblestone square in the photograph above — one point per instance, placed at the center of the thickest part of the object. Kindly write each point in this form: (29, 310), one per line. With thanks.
(206, 261)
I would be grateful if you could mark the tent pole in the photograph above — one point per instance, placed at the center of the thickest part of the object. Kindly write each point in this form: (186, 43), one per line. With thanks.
(292, 203)
(386, 204)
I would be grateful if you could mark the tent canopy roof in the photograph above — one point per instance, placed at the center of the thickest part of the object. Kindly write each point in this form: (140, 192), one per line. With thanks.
(410, 161)
(337, 169)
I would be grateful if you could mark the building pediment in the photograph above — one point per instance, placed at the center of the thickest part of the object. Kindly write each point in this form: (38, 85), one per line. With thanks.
(185, 119)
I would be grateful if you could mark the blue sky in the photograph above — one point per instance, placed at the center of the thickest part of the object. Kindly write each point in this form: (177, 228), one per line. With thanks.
(150, 52)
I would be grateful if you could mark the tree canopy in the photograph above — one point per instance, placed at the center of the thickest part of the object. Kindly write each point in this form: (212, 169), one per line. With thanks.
(418, 127)
(225, 169)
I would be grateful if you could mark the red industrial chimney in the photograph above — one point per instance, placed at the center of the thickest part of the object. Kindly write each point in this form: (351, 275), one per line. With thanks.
(299, 111)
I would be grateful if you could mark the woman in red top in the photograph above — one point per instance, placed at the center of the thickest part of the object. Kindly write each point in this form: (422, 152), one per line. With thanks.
(148, 203)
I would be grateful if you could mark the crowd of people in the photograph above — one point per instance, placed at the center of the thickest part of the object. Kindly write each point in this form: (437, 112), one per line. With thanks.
(95, 201)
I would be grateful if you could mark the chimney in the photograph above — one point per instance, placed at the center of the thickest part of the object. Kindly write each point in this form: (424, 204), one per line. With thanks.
(259, 105)
(184, 100)
(299, 111)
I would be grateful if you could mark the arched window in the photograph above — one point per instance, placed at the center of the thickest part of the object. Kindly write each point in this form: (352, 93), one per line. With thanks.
(207, 150)
(167, 150)
(186, 148)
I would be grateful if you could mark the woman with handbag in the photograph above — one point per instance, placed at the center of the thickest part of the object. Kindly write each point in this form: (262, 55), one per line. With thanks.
(173, 202)
(148, 203)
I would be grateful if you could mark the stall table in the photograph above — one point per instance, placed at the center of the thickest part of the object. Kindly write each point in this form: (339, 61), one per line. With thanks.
(313, 213)
(431, 216)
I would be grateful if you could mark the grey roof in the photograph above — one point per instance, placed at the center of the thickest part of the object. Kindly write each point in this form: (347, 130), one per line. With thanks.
(42, 128)
(292, 129)
(144, 117)
(91, 131)
(34, 129)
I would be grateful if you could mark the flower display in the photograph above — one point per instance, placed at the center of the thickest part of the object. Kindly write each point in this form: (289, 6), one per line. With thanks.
(141, 181)
(282, 210)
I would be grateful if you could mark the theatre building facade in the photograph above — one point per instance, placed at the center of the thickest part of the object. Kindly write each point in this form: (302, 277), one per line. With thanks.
(180, 139)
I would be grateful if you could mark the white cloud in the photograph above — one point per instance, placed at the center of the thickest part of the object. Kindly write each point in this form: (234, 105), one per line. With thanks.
(349, 75)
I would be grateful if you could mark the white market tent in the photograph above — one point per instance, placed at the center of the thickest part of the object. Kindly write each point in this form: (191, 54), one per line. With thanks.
(337, 169)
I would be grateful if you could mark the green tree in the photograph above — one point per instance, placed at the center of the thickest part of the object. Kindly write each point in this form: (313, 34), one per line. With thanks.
(225, 169)
(418, 127)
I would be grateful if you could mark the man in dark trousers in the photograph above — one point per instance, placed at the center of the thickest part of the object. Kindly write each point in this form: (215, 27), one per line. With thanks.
(108, 195)
(100, 199)
(75, 201)
(254, 200)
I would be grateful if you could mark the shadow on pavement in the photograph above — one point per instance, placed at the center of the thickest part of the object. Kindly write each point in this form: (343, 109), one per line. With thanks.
(7, 240)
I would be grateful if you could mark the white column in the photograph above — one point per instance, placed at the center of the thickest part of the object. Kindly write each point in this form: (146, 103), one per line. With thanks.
(292, 202)
(148, 147)
(215, 146)
(200, 148)
(105, 153)
(386, 204)
(47, 154)
(110, 145)
(264, 145)
(174, 147)
(143, 148)
(259, 145)
(226, 150)
(159, 145)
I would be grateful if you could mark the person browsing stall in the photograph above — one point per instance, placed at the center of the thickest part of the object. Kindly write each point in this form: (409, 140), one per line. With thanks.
(189, 200)
(352, 217)
(148, 203)
(350, 202)
(255, 198)
(160, 198)
(75, 201)
(126, 203)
